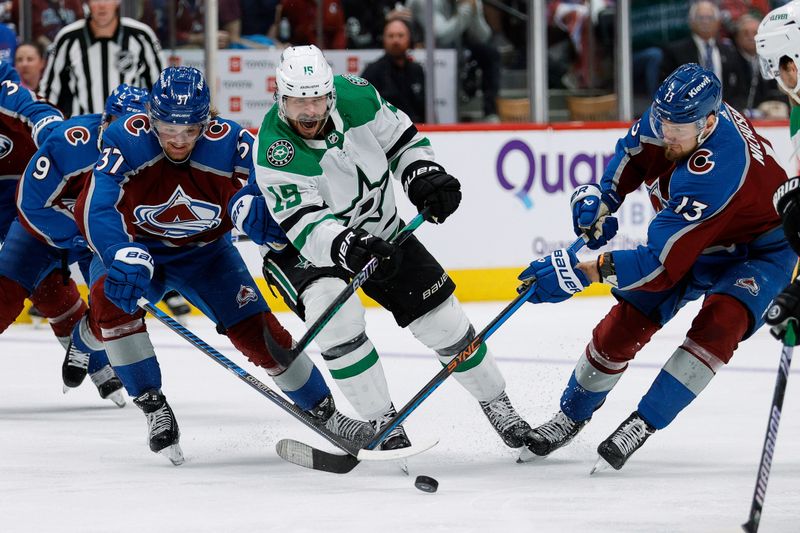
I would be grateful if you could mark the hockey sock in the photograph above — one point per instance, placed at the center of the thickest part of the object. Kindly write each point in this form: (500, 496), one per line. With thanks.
(447, 330)
(359, 374)
(134, 360)
(303, 383)
(587, 388)
(12, 300)
(676, 386)
(60, 303)
(84, 340)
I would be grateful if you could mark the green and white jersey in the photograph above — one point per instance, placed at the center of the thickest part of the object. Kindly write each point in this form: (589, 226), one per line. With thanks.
(316, 188)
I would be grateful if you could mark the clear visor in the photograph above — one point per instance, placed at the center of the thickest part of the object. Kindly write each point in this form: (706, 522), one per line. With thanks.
(168, 131)
(675, 133)
(307, 109)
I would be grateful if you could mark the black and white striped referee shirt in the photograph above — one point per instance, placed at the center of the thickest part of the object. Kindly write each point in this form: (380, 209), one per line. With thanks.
(83, 70)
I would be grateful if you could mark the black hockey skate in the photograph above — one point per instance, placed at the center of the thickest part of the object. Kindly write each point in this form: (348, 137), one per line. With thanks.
(356, 431)
(505, 420)
(75, 367)
(629, 437)
(550, 436)
(163, 434)
(178, 306)
(397, 437)
(108, 385)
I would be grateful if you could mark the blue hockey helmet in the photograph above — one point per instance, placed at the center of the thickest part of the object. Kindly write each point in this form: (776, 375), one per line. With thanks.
(180, 96)
(688, 96)
(124, 100)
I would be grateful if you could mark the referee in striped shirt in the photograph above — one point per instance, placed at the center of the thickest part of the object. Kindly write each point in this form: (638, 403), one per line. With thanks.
(90, 57)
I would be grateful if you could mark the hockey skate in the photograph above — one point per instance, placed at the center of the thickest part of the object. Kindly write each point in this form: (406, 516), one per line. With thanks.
(108, 385)
(356, 431)
(506, 421)
(550, 436)
(75, 367)
(396, 438)
(163, 434)
(178, 306)
(617, 448)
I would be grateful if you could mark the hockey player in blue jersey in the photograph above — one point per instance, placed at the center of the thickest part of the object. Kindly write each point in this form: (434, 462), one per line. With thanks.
(156, 213)
(716, 235)
(45, 200)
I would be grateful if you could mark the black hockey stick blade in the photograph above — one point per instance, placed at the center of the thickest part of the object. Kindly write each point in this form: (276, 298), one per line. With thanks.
(308, 456)
(286, 356)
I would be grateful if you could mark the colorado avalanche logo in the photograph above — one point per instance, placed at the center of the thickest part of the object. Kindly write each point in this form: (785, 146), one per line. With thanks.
(179, 217)
(749, 284)
(280, 153)
(700, 162)
(77, 135)
(245, 295)
(356, 80)
(6, 145)
(217, 130)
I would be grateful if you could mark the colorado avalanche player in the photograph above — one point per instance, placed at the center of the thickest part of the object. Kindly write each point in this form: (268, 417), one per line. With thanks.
(325, 155)
(46, 198)
(716, 235)
(155, 212)
(25, 122)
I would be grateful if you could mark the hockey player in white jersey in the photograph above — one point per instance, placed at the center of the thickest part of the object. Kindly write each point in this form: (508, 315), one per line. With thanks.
(325, 155)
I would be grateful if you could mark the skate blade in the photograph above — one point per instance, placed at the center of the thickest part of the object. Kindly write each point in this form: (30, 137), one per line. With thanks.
(117, 397)
(599, 466)
(403, 464)
(174, 454)
(527, 456)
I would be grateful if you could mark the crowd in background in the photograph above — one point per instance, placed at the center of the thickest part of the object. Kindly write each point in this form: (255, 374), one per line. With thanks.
(490, 36)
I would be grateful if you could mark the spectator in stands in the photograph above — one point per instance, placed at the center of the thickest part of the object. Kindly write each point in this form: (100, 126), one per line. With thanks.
(462, 24)
(49, 16)
(364, 21)
(258, 24)
(758, 90)
(91, 56)
(302, 18)
(30, 62)
(190, 22)
(706, 48)
(398, 79)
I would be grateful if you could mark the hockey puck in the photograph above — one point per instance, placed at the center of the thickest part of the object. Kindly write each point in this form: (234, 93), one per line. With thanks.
(426, 484)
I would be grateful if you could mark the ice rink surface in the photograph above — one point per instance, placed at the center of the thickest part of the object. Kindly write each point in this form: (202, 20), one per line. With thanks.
(77, 463)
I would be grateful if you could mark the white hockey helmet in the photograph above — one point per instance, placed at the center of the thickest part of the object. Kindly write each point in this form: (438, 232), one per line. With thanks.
(778, 36)
(303, 72)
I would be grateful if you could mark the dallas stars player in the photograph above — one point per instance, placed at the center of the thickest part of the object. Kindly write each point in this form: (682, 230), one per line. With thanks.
(324, 157)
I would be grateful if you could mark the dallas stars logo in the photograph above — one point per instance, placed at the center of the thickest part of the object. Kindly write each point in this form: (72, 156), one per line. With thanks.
(280, 153)
(333, 138)
(303, 263)
(355, 80)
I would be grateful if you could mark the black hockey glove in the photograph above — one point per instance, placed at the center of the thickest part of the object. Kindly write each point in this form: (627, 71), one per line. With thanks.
(353, 248)
(428, 185)
(787, 202)
(785, 309)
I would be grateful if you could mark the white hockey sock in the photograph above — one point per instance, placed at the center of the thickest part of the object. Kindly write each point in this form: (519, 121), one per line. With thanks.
(359, 374)
(447, 330)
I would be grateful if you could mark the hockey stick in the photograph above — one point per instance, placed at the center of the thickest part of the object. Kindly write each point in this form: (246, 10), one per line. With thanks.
(767, 450)
(341, 464)
(285, 356)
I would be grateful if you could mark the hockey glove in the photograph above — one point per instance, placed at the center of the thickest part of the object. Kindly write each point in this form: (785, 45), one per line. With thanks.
(129, 274)
(591, 214)
(555, 277)
(785, 310)
(250, 215)
(428, 185)
(353, 248)
(787, 202)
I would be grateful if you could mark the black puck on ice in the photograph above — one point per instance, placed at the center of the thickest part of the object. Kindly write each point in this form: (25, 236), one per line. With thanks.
(426, 484)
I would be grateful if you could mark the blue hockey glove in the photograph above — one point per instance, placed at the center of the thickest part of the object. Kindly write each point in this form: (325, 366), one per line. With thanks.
(555, 277)
(785, 311)
(591, 214)
(250, 215)
(129, 274)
